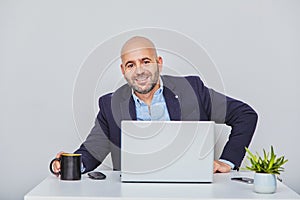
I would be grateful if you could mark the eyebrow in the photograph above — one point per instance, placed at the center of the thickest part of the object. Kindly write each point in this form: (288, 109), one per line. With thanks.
(144, 58)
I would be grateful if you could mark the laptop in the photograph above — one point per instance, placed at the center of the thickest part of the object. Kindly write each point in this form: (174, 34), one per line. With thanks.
(167, 151)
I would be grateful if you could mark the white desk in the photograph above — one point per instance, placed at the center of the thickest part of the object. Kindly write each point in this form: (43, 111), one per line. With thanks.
(112, 188)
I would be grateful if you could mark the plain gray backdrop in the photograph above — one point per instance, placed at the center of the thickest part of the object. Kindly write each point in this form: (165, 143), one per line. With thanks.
(43, 44)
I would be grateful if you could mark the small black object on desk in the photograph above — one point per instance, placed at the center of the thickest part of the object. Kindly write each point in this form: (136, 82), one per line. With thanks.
(96, 175)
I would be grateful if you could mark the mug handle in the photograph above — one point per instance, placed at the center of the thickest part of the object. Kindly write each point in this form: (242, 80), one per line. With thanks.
(51, 169)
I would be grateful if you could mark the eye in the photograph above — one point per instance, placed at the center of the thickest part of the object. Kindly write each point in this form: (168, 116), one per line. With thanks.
(146, 62)
(129, 66)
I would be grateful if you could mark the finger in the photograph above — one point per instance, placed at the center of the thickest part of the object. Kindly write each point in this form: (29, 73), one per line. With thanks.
(56, 166)
(58, 155)
(224, 168)
(216, 166)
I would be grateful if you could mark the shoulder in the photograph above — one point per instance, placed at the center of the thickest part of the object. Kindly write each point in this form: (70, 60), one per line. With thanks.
(106, 97)
(104, 101)
(178, 80)
(122, 92)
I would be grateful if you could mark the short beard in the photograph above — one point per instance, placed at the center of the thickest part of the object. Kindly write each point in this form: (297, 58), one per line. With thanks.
(136, 88)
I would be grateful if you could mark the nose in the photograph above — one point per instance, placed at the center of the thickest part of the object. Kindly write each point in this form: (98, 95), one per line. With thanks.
(139, 68)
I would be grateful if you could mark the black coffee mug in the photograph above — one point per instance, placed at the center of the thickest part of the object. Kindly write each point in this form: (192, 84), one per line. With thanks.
(70, 166)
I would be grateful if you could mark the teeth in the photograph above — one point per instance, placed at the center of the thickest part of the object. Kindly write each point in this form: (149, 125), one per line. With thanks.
(141, 78)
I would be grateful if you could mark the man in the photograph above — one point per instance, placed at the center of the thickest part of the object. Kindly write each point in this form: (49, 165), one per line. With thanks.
(149, 96)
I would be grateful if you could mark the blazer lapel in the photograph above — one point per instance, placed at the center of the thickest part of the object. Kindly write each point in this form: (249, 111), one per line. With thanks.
(173, 105)
(132, 110)
(127, 107)
(123, 107)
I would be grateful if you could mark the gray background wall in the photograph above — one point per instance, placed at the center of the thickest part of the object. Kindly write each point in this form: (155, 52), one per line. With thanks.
(255, 45)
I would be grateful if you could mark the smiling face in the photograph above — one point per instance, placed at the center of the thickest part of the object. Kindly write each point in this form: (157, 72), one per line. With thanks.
(141, 66)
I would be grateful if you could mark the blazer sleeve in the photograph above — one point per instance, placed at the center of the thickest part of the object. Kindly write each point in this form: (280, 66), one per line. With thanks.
(238, 115)
(97, 145)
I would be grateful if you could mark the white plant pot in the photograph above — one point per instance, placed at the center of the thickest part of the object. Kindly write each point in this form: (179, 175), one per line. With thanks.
(265, 183)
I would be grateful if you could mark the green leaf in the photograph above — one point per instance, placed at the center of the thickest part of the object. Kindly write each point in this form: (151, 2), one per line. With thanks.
(268, 163)
(272, 159)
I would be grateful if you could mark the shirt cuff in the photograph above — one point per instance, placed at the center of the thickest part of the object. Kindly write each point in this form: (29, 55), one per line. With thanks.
(82, 168)
(228, 163)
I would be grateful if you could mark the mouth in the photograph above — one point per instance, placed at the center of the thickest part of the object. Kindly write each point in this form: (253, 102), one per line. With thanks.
(141, 80)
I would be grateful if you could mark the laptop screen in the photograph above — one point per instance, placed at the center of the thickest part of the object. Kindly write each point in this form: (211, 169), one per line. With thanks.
(157, 151)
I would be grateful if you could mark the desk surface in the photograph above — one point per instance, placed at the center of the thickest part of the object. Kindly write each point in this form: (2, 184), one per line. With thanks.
(112, 188)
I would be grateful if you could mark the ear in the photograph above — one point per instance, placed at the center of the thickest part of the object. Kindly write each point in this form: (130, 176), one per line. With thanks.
(160, 63)
(122, 69)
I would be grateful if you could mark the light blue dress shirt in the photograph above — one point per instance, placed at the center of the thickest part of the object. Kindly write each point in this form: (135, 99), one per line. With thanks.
(157, 111)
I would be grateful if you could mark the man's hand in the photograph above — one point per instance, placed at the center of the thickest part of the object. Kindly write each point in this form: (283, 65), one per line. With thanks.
(221, 167)
(56, 164)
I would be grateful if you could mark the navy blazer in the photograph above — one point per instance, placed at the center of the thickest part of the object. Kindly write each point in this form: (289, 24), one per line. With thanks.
(187, 99)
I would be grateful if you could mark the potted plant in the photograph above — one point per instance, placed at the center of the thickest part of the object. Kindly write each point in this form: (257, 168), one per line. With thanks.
(265, 169)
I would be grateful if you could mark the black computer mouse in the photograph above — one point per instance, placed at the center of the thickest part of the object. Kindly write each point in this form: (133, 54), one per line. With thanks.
(96, 175)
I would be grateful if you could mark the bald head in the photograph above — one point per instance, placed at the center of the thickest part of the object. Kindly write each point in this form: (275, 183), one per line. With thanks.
(141, 67)
(137, 43)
